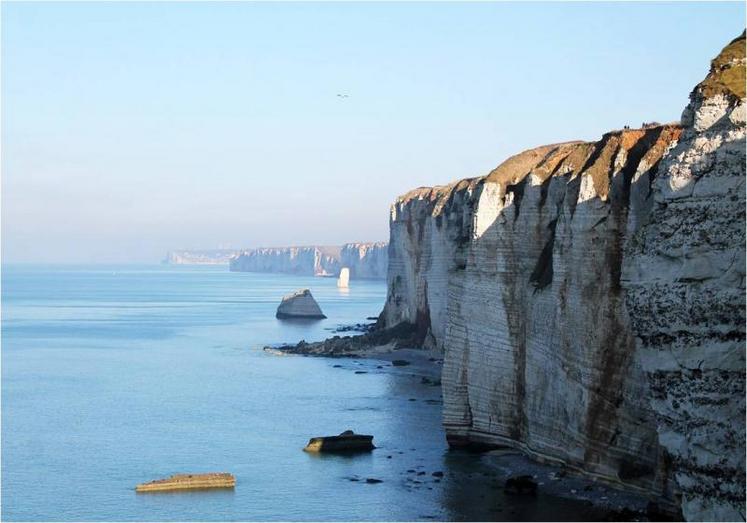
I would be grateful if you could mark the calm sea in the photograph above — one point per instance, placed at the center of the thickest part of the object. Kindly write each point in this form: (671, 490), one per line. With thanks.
(116, 375)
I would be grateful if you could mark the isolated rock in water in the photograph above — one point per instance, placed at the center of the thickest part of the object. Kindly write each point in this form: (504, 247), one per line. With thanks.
(300, 304)
(344, 278)
(347, 441)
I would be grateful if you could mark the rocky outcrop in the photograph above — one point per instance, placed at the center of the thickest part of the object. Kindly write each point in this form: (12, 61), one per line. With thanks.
(684, 275)
(365, 260)
(517, 277)
(299, 304)
(199, 257)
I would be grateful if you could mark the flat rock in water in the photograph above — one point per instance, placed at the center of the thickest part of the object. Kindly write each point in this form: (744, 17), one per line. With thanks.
(299, 304)
(189, 482)
(348, 441)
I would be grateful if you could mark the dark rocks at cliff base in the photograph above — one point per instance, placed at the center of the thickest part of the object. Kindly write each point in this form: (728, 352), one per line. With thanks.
(402, 335)
(356, 327)
(374, 480)
(400, 363)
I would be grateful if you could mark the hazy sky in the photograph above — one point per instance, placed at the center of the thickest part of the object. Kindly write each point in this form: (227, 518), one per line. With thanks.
(131, 128)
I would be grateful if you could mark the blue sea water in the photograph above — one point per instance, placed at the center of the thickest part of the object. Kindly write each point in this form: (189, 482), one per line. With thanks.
(117, 375)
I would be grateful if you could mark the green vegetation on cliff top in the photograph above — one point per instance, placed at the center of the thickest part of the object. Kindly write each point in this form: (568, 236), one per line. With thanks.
(727, 74)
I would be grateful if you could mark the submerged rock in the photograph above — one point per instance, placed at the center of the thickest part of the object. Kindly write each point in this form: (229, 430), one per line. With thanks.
(299, 304)
(521, 485)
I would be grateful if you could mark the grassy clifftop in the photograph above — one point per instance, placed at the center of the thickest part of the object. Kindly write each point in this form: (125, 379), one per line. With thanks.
(727, 74)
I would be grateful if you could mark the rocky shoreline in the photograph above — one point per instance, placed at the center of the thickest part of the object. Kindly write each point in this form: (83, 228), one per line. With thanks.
(376, 341)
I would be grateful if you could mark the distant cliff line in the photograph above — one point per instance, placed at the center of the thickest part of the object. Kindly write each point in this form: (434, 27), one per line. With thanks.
(366, 260)
(200, 257)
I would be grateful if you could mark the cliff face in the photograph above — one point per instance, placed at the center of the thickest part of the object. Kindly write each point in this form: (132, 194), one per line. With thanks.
(365, 260)
(517, 278)
(684, 273)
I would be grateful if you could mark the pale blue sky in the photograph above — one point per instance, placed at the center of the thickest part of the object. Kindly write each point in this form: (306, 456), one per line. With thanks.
(132, 128)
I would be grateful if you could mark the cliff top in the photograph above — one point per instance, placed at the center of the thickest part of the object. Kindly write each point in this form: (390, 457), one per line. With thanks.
(438, 191)
(595, 159)
(514, 169)
(727, 74)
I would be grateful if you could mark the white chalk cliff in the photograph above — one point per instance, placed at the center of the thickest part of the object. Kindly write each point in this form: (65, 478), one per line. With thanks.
(684, 276)
(308, 261)
(365, 260)
(589, 301)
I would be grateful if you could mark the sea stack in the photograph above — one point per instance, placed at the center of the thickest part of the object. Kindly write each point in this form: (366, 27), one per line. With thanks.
(344, 278)
(299, 304)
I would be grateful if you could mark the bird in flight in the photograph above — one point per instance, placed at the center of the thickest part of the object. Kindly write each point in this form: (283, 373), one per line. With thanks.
(341, 95)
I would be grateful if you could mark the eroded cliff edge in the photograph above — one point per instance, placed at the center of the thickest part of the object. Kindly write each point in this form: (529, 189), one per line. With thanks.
(517, 277)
